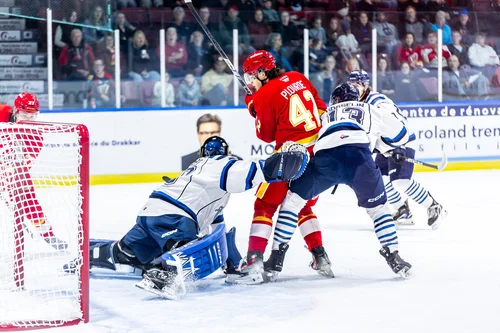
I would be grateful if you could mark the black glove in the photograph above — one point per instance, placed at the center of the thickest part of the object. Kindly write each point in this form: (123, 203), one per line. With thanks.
(398, 155)
(284, 166)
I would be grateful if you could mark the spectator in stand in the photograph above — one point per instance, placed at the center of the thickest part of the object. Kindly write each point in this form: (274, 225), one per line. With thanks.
(317, 56)
(183, 28)
(213, 27)
(483, 56)
(126, 30)
(196, 52)
(101, 87)
(464, 83)
(374, 5)
(333, 32)
(189, 93)
(405, 82)
(258, 30)
(387, 35)
(428, 52)
(441, 24)
(413, 25)
(466, 27)
(143, 63)
(351, 65)
(326, 80)
(245, 7)
(275, 43)
(317, 31)
(420, 5)
(99, 21)
(175, 53)
(434, 6)
(385, 78)
(151, 3)
(271, 16)
(230, 22)
(126, 3)
(362, 30)
(288, 30)
(106, 52)
(215, 84)
(62, 37)
(76, 58)
(458, 49)
(169, 93)
(347, 43)
(408, 51)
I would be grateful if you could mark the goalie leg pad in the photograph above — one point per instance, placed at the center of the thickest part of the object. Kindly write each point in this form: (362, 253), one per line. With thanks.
(201, 257)
(233, 255)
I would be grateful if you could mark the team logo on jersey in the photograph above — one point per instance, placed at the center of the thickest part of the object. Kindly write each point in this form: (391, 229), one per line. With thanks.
(343, 136)
(169, 233)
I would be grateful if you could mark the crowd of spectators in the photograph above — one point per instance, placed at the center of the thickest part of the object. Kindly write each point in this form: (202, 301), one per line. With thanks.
(340, 40)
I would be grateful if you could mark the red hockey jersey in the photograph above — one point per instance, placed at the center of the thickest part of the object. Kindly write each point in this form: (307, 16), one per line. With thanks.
(287, 108)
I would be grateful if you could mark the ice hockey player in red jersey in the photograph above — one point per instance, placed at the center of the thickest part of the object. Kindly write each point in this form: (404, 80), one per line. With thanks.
(286, 107)
(16, 186)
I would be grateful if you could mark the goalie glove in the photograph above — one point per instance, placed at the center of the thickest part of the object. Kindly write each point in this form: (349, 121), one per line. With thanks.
(288, 164)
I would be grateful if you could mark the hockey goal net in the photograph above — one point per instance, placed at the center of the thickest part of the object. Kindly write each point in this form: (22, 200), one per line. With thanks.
(44, 189)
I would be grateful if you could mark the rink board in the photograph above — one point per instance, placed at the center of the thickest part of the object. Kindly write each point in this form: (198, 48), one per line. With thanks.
(141, 145)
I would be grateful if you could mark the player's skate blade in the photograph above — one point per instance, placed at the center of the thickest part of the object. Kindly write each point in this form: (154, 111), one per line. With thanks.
(436, 214)
(251, 271)
(161, 283)
(396, 263)
(404, 216)
(321, 263)
(274, 265)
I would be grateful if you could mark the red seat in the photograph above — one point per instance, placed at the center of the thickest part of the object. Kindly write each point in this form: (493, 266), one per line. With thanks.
(130, 90)
(160, 15)
(147, 93)
(135, 16)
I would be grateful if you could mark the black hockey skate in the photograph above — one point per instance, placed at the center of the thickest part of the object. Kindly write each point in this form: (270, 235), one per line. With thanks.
(251, 270)
(321, 263)
(274, 265)
(395, 262)
(165, 283)
(404, 216)
(436, 214)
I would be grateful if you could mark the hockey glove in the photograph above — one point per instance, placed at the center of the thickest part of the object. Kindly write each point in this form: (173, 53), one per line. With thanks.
(250, 106)
(287, 164)
(398, 155)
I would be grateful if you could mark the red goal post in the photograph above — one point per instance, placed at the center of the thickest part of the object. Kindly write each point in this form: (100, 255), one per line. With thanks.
(44, 224)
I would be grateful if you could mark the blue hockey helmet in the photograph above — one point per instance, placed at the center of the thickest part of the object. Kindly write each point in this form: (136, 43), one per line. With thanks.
(359, 76)
(343, 93)
(214, 145)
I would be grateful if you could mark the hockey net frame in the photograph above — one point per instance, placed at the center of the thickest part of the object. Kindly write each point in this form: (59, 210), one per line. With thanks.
(81, 183)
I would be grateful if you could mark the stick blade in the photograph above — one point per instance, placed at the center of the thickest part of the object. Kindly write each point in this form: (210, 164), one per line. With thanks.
(443, 163)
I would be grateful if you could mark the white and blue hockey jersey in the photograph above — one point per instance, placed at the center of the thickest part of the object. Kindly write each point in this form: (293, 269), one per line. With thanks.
(202, 191)
(382, 101)
(355, 123)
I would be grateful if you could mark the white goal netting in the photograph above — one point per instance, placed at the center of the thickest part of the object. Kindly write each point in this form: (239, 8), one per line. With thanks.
(41, 224)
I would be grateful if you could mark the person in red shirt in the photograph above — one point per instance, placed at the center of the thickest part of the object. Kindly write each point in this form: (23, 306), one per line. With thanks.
(286, 107)
(16, 185)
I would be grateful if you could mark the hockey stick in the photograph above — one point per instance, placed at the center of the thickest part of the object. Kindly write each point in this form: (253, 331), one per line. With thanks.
(218, 47)
(440, 167)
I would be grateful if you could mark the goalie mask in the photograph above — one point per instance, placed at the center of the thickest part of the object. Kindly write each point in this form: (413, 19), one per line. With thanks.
(213, 146)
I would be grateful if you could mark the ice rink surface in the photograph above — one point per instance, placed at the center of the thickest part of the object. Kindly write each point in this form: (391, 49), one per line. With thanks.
(455, 286)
